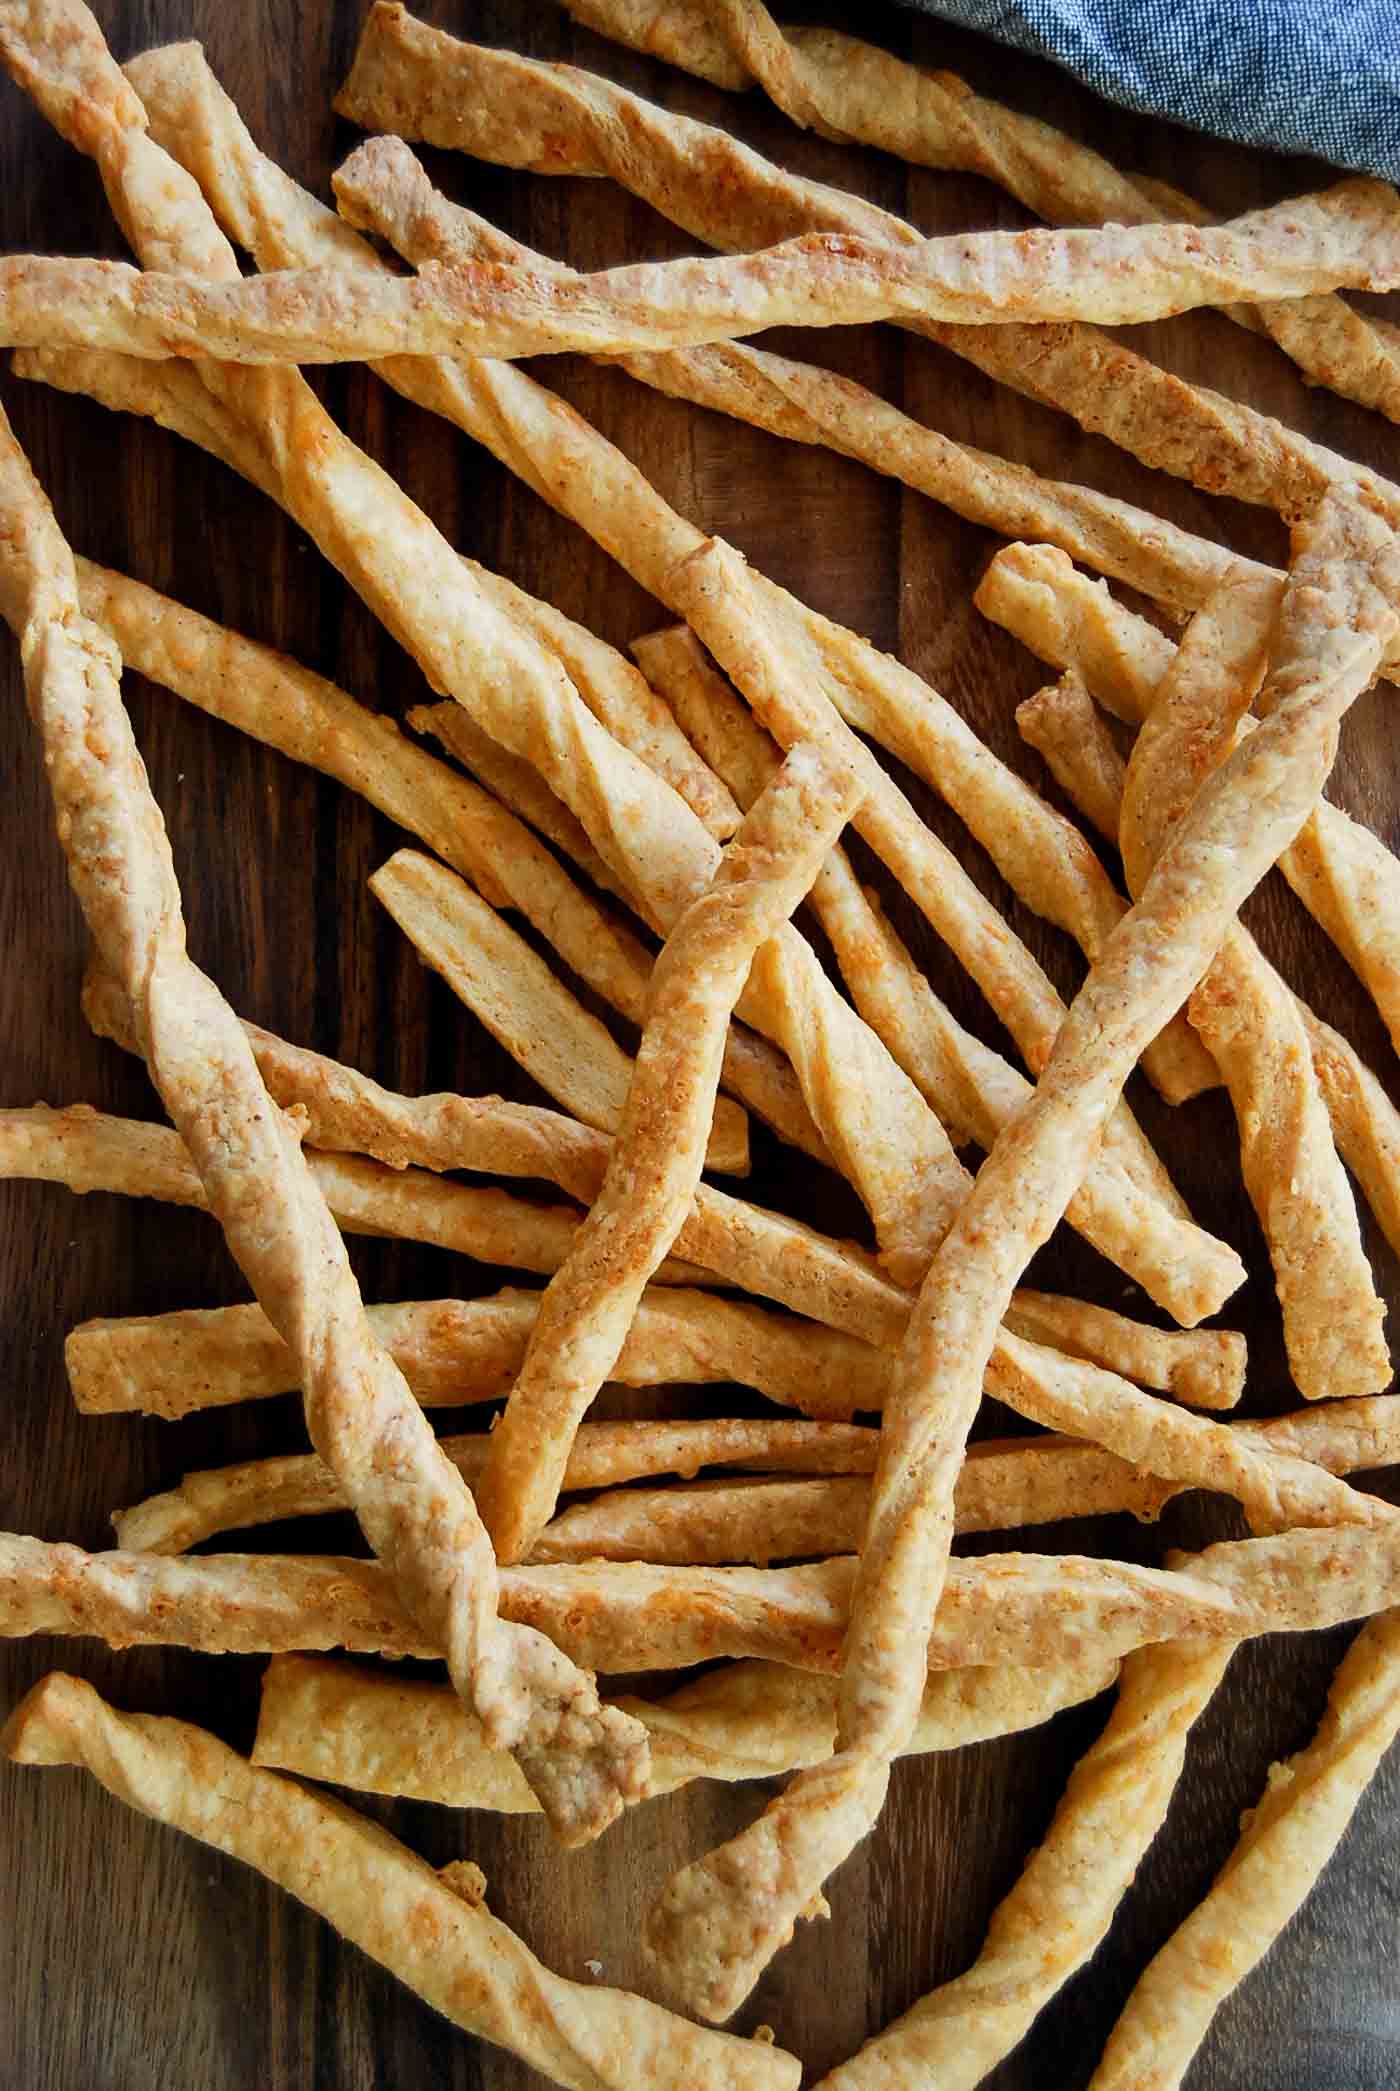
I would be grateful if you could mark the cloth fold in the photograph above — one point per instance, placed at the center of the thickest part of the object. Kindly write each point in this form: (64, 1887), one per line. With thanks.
(1299, 76)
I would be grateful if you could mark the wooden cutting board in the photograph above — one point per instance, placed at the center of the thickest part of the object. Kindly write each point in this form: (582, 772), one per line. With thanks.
(129, 1958)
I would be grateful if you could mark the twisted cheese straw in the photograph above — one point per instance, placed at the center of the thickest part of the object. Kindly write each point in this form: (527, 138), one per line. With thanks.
(854, 91)
(1060, 1909)
(622, 1617)
(272, 426)
(720, 1921)
(654, 1166)
(440, 1940)
(497, 403)
(1332, 1318)
(583, 1761)
(558, 120)
(1284, 1845)
(1343, 874)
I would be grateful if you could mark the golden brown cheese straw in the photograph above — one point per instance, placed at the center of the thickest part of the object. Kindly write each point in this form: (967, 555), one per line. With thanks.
(558, 120)
(971, 1088)
(285, 705)
(1065, 726)
(851, 90)
(1203, 1367)
(1043, 857)
(1060, 1909)
(1028, 1609)
(264, 1491)
(720, 1921)
(353, 1726)
(656, 1159)
(416, 1509)
(1333, 1320)
(502, 407)
(1117, 275)
(1122, 651)
(448, 1948)
(1344, 875)
(89, 1151)
(647, 835)
(1285, 1843)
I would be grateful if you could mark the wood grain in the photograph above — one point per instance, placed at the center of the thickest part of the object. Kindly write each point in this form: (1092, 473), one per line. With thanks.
(128, 1958)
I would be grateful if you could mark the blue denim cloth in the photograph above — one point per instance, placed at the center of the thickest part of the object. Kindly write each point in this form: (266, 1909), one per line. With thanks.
(1310, 76)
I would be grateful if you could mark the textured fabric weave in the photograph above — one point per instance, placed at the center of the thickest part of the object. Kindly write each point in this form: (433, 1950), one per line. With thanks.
(1311, 76)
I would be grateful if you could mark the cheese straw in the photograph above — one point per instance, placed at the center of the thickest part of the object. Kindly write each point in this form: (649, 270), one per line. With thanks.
(358, 1727)
(721, 1920)
(654, 1166)
(434, 1935)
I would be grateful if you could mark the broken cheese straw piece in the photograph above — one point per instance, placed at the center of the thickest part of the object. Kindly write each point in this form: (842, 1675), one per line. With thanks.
(1001, 1486)
(970, 1087)
(851, 90)
(656, 1158)
(500, 406)
(276, 700)
(719, 1922)
(556, 119)
(582, 1761)
(1344, 875)
(1285, 1843)
(617, 1617)
(88, 1150)
(1044, 858)
(1333, 1321)
(352, 1726)
(1060, 1909)
(1118, 650)
(448, 1948)
(1118, 275)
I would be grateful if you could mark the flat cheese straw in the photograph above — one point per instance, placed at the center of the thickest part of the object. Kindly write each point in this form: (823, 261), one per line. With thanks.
(286, 706)
(1285, 1843)
(415, 1509)
(969, 1085)
(720, 1921)
(1044, 858)
(1344, 875)
(353, 1726)
(1001, 1487)
(1061, 1907)
(499, 405)
(1333, 1320)
(623, 1617)
(89, 1150)
(851, 90)
(437, 1937)
(1117, 275)
(555, 119)
(1203, 1367)
(654, 1166)
(1118, 649)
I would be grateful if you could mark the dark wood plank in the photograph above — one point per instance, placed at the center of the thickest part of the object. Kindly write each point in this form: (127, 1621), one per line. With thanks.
(128, 1957)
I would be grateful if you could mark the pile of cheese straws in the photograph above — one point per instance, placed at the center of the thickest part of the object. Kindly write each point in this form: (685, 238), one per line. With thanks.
(738, 727)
